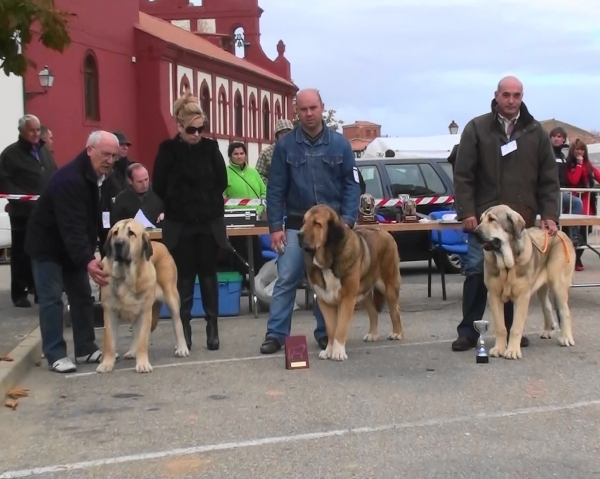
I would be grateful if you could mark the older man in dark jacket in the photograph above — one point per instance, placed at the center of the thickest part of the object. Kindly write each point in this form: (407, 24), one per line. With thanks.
(504, 157)
(61, 240)
(25, 169)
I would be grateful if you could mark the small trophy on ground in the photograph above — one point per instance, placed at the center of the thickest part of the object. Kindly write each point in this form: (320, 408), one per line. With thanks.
(482, 355)
(409, 209)
(366, 210)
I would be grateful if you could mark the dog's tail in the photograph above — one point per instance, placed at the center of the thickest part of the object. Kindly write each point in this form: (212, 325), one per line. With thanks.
(155, 312)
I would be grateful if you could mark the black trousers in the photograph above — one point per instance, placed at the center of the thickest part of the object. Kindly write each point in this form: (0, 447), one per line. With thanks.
(196, 255)
(21, 274)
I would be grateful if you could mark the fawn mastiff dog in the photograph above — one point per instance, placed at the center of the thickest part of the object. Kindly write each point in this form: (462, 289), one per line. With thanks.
(142, 275)
(518, 262)
(346, 267)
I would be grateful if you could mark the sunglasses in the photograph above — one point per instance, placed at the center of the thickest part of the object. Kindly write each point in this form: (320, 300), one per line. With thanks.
(190, 130)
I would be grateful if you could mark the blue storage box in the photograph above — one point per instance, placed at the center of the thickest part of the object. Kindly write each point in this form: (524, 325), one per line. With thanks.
(230, 293)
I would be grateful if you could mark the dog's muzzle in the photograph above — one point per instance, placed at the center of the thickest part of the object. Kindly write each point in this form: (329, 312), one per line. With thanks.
(303, 245)
(121, 252)
(488, 244)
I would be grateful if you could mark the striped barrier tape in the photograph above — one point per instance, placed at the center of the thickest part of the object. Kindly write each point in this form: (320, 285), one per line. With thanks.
(379, 203)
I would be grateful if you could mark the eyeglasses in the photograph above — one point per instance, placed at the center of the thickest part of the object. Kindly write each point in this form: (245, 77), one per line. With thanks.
(190, 130)
(107, 155)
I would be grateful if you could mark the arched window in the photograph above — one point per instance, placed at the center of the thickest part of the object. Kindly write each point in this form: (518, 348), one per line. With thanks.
(278, 114)
(253, 120)
(205, 104)
(91, 88)
(238, 115)
(184, 85)
(223, 112)
(266, 119)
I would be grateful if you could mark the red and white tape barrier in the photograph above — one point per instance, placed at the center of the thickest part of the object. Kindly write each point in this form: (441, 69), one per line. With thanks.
(379, 203)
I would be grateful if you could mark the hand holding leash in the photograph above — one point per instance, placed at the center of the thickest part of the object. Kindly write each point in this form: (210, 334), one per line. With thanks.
(550, 226)
(469, 223)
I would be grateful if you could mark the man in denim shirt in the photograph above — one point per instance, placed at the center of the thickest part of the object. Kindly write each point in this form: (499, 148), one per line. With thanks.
(310, 165)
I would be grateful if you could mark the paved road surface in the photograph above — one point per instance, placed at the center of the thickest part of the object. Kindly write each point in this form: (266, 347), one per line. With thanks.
(393, 409)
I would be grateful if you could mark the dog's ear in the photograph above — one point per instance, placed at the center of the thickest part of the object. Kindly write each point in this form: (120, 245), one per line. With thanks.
(335, 231)
(516, 223)
(107, 247)
(147, 246)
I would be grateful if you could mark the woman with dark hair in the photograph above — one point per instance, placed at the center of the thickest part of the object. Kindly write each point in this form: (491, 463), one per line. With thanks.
(244, 181)
(581, 173)
(190, 178)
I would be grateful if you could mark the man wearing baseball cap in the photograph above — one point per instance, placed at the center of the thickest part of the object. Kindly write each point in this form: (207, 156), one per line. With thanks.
(263, 164)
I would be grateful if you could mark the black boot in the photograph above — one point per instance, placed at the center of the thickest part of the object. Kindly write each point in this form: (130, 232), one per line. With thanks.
(473, 306)
(209, 289)
(186, 294)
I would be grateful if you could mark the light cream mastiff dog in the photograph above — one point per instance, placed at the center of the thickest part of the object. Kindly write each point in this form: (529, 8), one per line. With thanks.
(142, 274)
(519, 261)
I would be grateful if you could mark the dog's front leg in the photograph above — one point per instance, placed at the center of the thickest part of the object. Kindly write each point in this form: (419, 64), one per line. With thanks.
(143, 324)
(111, 329)
(345, 314)
(330, 316)
(497, 313)
(521, 305)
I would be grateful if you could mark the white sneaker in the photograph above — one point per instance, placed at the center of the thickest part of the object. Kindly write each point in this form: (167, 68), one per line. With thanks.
(63, 365)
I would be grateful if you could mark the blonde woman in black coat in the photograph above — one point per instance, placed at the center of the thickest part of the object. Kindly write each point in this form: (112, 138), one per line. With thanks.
(190, 177)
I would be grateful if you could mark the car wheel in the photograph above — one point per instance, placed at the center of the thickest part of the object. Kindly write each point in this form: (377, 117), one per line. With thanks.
(451, 262)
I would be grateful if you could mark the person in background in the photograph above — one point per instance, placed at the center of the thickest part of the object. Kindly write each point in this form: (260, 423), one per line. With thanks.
(311, 165)
(190, 178)
(119, 174)
(243, 181)
(47, 138)
(138, 195)
(26, 167)
(581, 173)
(61, 240)
(263, 164)
(527, 182)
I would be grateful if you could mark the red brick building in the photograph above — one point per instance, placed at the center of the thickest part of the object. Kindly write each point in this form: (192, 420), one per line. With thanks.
(360, 134)
(130, 59)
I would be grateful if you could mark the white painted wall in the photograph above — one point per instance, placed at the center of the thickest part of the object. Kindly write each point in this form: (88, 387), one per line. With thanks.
(171, 99)
(236, 86)
(11, 99)
(253, 153)
(249, 91)
(181, 70)
(208, 78)
(265, 94)
(223, 146)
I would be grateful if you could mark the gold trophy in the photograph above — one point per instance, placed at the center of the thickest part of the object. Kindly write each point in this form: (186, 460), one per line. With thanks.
(409, 209)
(366, 210)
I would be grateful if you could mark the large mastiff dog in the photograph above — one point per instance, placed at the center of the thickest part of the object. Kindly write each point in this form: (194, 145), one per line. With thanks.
(346, 267)
(519, 261)
(142, 274)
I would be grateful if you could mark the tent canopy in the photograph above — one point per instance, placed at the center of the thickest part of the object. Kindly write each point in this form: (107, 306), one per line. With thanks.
(438, 146)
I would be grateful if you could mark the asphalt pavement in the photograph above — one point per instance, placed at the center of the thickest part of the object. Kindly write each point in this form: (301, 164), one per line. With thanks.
(410, 408)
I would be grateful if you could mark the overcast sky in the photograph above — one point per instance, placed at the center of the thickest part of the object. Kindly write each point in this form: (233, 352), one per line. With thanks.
(414, 66)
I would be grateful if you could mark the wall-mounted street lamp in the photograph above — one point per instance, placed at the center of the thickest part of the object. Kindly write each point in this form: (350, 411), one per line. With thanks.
(453, 127)
(46, 79)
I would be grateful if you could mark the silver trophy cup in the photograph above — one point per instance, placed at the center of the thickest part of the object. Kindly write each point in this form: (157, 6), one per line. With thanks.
(482, 355)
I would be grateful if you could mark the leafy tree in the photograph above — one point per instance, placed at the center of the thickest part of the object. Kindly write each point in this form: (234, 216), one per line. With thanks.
(16, 20)
(328, 117)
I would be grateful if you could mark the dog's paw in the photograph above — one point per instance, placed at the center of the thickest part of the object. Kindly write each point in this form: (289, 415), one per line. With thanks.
(105, 367)
(338, 352)
(395, 336)
(371, 338)
(498, 351)
(547, 334)
(129, 354)
(566, 340)
(325, 353)
(143, 367)
(513, 353)
(182, 351)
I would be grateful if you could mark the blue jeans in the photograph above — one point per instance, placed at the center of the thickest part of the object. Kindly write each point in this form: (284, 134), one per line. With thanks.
(290, 266)
(50, 279)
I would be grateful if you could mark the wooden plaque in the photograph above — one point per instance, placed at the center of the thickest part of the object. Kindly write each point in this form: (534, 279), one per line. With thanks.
(296, 352)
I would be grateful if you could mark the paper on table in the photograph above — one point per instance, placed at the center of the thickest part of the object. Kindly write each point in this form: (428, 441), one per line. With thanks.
(141, 217)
